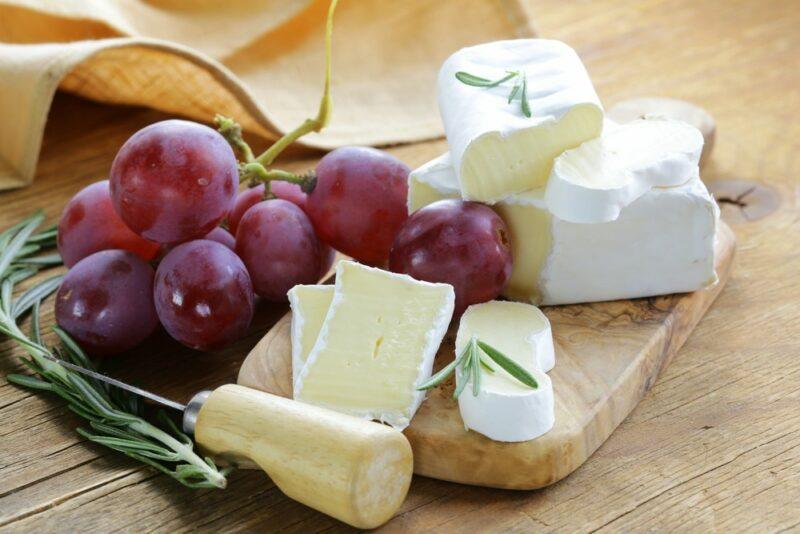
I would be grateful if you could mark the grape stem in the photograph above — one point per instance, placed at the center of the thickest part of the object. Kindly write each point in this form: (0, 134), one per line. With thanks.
(232, 132)
(255, 172)
(255, 168)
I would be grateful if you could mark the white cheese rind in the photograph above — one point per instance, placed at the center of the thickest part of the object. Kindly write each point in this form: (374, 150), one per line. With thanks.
(377, 343)
(503, 417)
(309, 304)
(496, 149)
(661, 243)
(595, 181)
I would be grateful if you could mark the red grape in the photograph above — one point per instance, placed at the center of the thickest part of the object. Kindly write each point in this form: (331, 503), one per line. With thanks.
(289, 191)
(106, 302)
(244, 201)
(464, 244)
(278, 245)
(359, 201)
(203, 295)
(89, 224)
(174, 181)
(222, 236)
(252, 196)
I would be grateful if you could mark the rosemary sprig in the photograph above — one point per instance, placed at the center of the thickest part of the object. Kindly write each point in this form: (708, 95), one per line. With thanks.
(468, 365)
(520, 86)
(115, 417)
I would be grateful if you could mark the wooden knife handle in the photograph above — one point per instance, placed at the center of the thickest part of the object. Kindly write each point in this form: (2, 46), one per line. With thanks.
(352, 469)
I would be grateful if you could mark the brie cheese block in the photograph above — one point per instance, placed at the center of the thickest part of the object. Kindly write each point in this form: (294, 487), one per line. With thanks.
(376, 344)
(661, 243)
(506, 409)
(496, 149)
(595, 181)
(309, 306)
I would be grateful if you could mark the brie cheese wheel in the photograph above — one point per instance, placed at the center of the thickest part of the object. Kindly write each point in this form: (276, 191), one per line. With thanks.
(661, 243)
(376, 345)
(506, 409)
(595, 181)
(309, 306)
(496, 149)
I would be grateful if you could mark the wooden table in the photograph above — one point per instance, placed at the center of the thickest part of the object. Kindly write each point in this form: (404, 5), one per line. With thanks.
(715, 444)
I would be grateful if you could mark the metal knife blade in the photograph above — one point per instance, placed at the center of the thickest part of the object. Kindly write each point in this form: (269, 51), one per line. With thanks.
(116, 383)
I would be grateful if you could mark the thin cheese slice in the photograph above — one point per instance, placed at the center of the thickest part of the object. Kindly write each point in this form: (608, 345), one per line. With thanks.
(309, 307)
(505, 409)
(377, 343)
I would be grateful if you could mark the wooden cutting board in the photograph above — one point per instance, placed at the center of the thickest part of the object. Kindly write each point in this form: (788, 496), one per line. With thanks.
(608, 355)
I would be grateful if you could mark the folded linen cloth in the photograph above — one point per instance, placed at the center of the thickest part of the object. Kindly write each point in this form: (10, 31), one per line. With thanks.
(259, 61)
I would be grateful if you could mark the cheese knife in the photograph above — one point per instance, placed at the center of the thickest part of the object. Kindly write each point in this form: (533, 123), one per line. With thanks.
(354, 470)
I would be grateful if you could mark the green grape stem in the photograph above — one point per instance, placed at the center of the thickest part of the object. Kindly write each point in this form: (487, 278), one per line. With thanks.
(257, 173)
(255, 169)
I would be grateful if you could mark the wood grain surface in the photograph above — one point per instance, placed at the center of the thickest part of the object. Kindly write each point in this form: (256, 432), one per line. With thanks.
(714, 445)
(608, 355)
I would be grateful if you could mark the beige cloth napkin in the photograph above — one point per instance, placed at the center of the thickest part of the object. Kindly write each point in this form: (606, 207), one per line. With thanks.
(259, 61)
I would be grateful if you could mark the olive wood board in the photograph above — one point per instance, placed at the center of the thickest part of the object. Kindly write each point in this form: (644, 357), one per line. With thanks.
(608, 355)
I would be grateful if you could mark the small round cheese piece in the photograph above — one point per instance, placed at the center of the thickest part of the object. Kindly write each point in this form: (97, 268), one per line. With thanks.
(506, 409)
(520, 331)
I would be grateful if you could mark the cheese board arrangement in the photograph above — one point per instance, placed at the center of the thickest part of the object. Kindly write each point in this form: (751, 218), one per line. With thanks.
(498, 311)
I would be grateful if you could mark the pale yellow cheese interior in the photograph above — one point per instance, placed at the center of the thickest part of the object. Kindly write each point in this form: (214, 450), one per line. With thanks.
(374, 341)
(421, 194)
(508, 327)
(310, 306)
(531, 241)
(495, 165)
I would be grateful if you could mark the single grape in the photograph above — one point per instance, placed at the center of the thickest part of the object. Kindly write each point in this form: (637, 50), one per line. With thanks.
(289, 191)
(244, 201)
(106, 302)
(252, 196)
(174, 181)
(222, 236)
(464, 244)
(359, 202)
(89, 224)
(278, 245)
(203, 295)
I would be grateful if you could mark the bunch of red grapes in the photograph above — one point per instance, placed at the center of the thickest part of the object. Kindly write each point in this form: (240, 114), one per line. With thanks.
(172, 188)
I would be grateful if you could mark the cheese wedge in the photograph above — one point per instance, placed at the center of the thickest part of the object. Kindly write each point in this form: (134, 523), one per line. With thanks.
(496, 149)
(309, 306)
(595, 181)
(377, 343)
(505, 409)
(661, 243)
